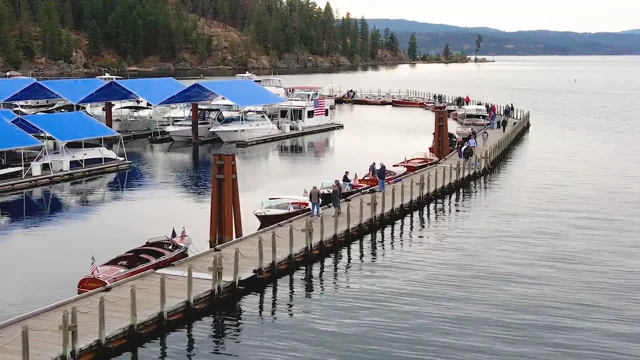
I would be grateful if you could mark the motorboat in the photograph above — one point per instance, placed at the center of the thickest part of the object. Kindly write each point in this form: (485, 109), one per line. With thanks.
(451, 107)
(408, 102)
(246, 126)
(274, 85)
(277, 209)
(17, 109)
(228, 108)
(453, 142)
(248, 76)
(156, 253)
(418, 161)
(326, 188)
(72, 155)
(392, 175)
(471, 115)
(305, 108)
(180, 131)
(61, 106)
(10, 171)
(108, 77)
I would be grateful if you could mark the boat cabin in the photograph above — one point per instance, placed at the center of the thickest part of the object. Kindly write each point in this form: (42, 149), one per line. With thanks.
(284, 204)
(272, 82)
(248, 76)
(108, 77)
(246, 117)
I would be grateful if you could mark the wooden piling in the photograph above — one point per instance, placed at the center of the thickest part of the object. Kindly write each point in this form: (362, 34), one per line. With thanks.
(260, 255)
(25, 342)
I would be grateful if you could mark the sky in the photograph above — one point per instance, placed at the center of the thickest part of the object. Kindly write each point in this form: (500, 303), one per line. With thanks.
(507, 15)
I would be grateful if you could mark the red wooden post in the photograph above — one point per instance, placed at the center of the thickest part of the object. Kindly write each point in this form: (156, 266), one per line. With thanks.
(194, 123)
(108, 114)
(237, 217)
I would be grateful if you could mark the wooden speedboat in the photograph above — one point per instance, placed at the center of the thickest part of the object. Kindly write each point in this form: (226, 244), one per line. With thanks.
(418, 103)
(156, 253)
(369, 101)
(418, 161)
(453, 142)
(277, 209)
(326, 189)
(392, 174)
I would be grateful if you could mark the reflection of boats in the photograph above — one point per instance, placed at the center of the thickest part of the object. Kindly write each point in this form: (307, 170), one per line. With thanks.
(281, 208)
(392, 174)
(326, 189)
(155, 254)
(319, 144)
(418, 161)
(246, 126)
(408, 102)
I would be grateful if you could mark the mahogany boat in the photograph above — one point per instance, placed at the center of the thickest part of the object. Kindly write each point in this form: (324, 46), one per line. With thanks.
(418, 161)
(326, 189)
(156, 253)
(368, 101)
(453, 142)
(392, 174)
(408, 103)
(277, 209)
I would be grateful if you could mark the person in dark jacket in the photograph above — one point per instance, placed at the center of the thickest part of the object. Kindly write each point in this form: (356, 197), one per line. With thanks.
(314, 198)
(382, 174)
(504, 124)
(512, 110)
(335, 200)
(339, 186)
(346, 182)
(372, 170)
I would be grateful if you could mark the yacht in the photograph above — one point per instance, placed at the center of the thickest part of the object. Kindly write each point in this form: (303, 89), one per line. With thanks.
(275, 86)
(248, 76)
(246, 126)
(304, 109)
(108, 77)
(180, 131)
(475, 115)
(72, 155)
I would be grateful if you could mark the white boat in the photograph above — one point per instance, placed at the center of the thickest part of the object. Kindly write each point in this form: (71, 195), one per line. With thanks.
(108, 77)
(304, 109)
(246, 126)
(472, 115)
(181, 131)
(281, 208)
(247, 76)
(17, 108)
(10, 171)
(275, 86)
(73, 154)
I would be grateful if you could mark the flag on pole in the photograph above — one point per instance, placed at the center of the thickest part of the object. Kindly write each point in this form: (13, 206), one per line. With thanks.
(173, 233)
(183, 234)
(94, 267)
(318, 107)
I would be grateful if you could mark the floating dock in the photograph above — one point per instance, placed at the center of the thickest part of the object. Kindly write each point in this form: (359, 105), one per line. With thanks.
(104, 321)
(289, 135)
(61, 176)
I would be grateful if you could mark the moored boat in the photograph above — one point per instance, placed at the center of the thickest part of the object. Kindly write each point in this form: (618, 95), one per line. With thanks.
(277, 209)
(326, 189)
(393, 173)
(371, 101)
(156, 253)
(411, 102)
(418, 161)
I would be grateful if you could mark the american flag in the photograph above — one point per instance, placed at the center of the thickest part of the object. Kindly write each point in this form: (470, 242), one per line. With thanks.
(94, 267)
(318, 107)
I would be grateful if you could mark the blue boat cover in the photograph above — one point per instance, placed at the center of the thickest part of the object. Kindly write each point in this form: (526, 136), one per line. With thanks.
(73, 90)
(12, 138)
(70, 126)
(7, 115)
(34, 91)
(9, 87)
(153, 90)
(240, 92)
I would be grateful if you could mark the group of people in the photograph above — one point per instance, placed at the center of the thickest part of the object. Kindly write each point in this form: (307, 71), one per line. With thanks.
(380, 174)
(336, 194)
(499, 120)
(462, 101)
(350, 94)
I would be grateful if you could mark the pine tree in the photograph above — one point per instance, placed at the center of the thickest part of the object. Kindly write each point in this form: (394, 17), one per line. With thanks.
(95, 38)
(365, 45)
(330, 45)
(446, 52)
(375, 43)
(6, 15)
(12, 55)
(354, 39)
(345, 30)
(393, 44)
(52, 45)
(412, 51)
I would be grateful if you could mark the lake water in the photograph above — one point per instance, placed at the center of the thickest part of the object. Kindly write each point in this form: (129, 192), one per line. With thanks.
(539, 261)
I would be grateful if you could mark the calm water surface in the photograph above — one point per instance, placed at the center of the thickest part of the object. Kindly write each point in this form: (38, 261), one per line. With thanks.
(539, 261)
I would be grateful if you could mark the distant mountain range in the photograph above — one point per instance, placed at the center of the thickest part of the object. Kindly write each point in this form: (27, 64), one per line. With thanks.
(432, 37)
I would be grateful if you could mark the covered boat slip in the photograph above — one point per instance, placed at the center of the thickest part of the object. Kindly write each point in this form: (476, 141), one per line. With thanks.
(98, 320)
(70, 146)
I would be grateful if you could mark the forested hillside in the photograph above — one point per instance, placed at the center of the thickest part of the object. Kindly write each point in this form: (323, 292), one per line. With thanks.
(189, 33)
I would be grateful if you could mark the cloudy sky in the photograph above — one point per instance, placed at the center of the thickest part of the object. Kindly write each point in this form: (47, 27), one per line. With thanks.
(508, 15)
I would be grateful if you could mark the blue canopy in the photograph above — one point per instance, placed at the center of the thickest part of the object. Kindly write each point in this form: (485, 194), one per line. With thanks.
(9, 87)
(73, 90)
(11, 137)
(240, 92)
(7, 115)
(70, 126)
(34, 91)
(154, 90)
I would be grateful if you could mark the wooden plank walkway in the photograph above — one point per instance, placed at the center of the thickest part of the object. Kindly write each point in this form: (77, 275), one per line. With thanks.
(104, 319)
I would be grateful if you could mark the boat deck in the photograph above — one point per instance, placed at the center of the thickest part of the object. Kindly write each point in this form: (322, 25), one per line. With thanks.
(47, 178)
(289, 135)
(108, 316)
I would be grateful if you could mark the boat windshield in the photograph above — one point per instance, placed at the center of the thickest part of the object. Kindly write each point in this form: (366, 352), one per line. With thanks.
(244, 118)
(225, 107)
(419, 155)
(326, 184)
(272, 83)
(275, 204)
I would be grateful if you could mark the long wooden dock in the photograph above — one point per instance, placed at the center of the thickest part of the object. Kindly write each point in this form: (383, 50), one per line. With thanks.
(103, 321)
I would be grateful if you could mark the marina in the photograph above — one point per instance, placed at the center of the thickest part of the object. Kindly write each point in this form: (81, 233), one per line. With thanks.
(91, 324)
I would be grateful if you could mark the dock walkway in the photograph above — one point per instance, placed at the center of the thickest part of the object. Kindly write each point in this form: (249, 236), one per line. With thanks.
(105, 319)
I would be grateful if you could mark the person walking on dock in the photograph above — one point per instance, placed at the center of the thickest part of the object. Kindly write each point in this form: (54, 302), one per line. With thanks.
(507, 112)
(382, 174)
(339, 186)
(504, 124)
(314, 198)
(467, 100)
(372, 170)
(459, 146)
(512, 109)
(335, 199)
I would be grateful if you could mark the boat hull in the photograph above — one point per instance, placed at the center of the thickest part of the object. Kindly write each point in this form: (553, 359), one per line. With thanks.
(236, 135)
(414, 165)
(183, 134)
(325, 197)
(267, 220)
(408, 103)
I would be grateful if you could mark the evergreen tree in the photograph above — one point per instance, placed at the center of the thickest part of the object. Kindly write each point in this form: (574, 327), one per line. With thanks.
(66, 12)
(345, 30)
(375, 43)
(365, 45)
(12, 56)
(95, 38)
(6, 15)
(446, 52)
(330, 45)
(392, 44)
(412, 51)
(52, 45)
(354, 38)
